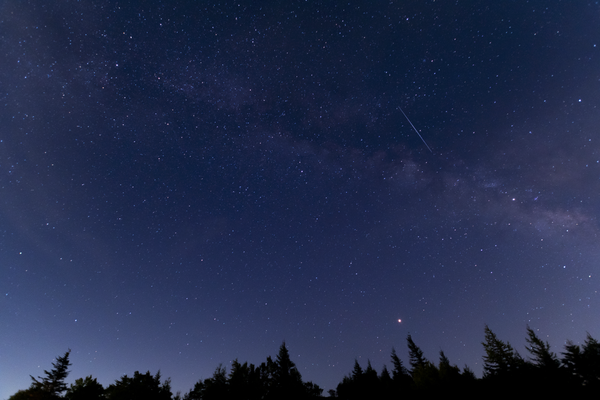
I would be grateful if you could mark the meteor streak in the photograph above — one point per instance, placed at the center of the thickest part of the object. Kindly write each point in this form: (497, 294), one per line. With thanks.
(411, 124)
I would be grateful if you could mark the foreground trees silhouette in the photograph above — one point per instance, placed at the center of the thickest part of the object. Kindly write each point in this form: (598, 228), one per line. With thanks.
(277, 379)
(505, 373)
(423, 380)
(140, 387)
(50, 386)
(53, 384)
(85, 389)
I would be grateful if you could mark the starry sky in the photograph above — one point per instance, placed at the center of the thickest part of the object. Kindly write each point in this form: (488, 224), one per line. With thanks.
(186, 183)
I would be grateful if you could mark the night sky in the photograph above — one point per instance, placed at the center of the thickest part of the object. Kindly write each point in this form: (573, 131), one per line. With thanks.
(186, 183)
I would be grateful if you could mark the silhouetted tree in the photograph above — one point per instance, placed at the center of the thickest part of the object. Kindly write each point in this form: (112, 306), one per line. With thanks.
(140, 387)
(277, 379)
(217, 386)
(500, 358)
(312, 390)
(357, 371)
(370, 382)
(245, 381)
(385, 374)
(286, 381)
(22, 395)
(386, 383)
(85, 389)
(281, 379)
(353, 387)
(400, 375)
(542, 357)
(415, 354)
(467, 374)
(344, 388)
(53, 383)
(504, 370)
(399, 372)
(196, 392)
(425, 375)
(449, 374)
(544, 374)
(583, 363)
(506, 373)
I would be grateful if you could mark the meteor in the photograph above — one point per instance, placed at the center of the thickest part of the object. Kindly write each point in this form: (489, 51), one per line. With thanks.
(411, 124)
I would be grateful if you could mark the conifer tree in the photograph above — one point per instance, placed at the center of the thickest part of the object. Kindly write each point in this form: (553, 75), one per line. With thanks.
(402, 381)
(542, 357)
(385, 374)
(468, 375)
(370, 381)
(500, 358)
(449, 374)
(53, 383)
(357, 371)
(583, 362)
(286, 381)
(591, 360)
(416, 357)
(399, 372)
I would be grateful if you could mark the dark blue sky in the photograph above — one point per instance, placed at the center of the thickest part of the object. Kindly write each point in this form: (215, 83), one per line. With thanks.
(186, 183)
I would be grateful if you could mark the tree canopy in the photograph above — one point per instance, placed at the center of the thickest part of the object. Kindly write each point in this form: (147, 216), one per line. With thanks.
(52, 384)
(542, 373)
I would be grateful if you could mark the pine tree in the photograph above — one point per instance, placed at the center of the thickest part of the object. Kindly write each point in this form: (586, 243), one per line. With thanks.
(286, 381)
(399, 372)
(402, 381)
(53, 384)
(416, 357)
(542, 357)
(370, 381)
(449, 374)
(583, 363)
(357, 371)
(467, 375)
(385, 374)
(591, 357)
(500, 358)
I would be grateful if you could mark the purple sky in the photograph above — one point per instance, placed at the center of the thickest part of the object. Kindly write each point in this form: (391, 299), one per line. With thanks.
(182, 185)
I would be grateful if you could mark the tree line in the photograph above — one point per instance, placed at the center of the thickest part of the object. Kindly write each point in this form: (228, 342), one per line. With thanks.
(505, 373)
